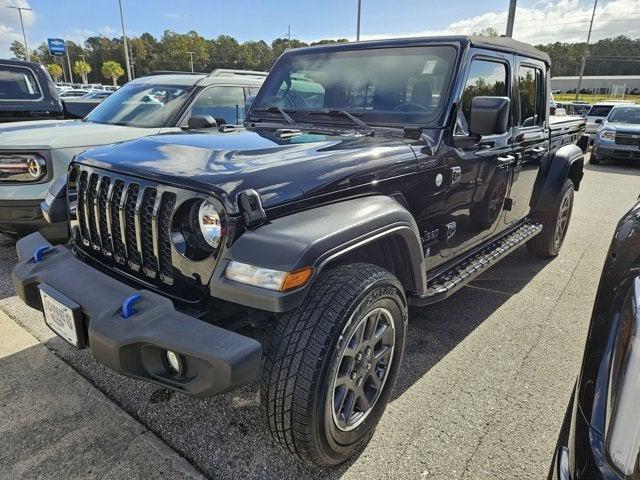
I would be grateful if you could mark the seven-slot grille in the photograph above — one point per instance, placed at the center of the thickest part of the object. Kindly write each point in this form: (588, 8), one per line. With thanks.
(127, 221)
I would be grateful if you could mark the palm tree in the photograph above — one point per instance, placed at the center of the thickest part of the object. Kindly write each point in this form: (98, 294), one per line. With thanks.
(80, 67)
(112, 70)
(55, 71)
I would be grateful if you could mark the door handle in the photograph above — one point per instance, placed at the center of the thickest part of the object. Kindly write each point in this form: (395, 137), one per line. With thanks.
(505, 161)
(538, 150)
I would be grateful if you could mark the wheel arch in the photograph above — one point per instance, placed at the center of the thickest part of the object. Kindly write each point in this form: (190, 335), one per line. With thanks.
(374, 229)
(566, 162)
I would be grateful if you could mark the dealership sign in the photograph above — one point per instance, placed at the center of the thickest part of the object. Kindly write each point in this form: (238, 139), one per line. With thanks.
(57, 46)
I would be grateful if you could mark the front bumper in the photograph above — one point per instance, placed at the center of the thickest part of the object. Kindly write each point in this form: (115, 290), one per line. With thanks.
(22, 217)
(612, 150)
(216, 360)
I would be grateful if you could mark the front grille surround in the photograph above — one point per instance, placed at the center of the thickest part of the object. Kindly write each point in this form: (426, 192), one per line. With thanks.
(126, 224)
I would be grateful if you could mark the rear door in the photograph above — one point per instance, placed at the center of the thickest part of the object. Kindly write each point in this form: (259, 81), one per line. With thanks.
(531, 142)
(478, 172)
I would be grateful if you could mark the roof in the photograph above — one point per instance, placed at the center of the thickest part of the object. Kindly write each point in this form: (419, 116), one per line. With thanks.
(19, 63)
(227, 77)
(598, 77)
(502, 44)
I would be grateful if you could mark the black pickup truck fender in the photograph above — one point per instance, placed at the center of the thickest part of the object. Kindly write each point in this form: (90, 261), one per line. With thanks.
(566, 162)
(375, 229)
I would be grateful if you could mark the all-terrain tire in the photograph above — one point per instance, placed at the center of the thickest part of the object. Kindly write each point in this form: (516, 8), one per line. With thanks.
(593, 159)
(306, 355)
(555, 223)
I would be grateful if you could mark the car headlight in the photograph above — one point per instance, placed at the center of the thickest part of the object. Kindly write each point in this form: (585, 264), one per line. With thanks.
(608, 135)
(22, 167)
(210, 224)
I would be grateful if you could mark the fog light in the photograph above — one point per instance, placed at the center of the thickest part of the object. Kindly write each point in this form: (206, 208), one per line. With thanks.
(174, 363)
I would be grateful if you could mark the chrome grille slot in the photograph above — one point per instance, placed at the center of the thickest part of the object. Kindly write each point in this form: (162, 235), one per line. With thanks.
(91, 210)
(130, 234)
(167, 205)
(82, 211)
(103, 211)
(119, 251)
(149, 260)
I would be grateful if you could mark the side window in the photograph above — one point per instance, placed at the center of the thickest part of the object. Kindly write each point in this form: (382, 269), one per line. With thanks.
(486, 78)
(17, 83)
(225, 104)
(531, 89)
(253, 90)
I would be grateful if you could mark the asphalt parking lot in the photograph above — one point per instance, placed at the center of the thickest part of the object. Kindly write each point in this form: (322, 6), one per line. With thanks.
(484, 386)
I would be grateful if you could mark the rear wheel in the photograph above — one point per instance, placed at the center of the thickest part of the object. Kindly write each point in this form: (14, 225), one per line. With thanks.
(333, 362)
(593, 158)
(555, 223)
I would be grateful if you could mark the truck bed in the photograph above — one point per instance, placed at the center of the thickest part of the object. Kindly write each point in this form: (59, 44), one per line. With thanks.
(565, 129)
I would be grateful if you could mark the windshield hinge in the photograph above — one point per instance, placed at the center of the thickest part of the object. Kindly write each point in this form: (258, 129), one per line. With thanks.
(250, 206)
(412, 132)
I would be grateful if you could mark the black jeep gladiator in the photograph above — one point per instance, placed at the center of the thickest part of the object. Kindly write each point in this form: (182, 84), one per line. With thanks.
(367, 177)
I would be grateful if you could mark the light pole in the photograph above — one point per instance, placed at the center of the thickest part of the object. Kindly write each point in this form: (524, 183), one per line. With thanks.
(124, 39)
(511, 18)
(359, 16)
(191, 55)
(586, 51)
(24, 35)
(69, 64)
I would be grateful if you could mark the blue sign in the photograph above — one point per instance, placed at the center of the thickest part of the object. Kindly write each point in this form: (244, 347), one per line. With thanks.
(57, 46)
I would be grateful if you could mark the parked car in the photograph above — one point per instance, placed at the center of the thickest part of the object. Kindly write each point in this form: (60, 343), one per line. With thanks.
(74, 93)
(575, 108)
(596, 116)
(97, 94)
(619, 135)
(370, 176)
(27, 92)
(600, 435)
(145, 106)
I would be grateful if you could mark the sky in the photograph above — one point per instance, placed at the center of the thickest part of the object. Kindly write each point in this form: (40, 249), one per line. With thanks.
(537, 21)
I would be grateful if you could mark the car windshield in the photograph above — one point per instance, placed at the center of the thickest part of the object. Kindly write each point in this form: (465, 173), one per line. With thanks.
(140, 105)
(625, 115)
(380, 85)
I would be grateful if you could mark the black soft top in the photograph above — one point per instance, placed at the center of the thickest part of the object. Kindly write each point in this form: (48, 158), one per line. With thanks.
(502, 44)
(20, 63)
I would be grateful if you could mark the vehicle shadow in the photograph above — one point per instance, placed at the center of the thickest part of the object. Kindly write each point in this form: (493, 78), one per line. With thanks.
(225, 436)
(8, 258)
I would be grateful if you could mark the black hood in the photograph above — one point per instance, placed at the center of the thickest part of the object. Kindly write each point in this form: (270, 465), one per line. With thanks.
(282, 170)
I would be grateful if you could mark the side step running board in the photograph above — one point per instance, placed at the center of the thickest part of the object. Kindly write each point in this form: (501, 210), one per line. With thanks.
(461, 273)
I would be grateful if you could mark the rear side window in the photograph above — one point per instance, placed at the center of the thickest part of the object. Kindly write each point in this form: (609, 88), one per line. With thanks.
(600, 110)
(17, 83)
(531, 96)
(486, 78)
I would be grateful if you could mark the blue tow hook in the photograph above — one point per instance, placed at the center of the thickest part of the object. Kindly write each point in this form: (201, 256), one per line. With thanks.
(127, 305)
(39, 253)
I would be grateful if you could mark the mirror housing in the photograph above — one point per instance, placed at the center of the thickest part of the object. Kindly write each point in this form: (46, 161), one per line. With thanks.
(489, 115)
(201, 121)
(599, 120)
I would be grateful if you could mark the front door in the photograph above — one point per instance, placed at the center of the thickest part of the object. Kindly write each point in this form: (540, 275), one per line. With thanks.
(478, 173)
(532, 138)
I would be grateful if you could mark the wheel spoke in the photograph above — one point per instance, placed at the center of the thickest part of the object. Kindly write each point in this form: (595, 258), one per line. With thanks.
(362, 401)
(347, 408)
(381, 353)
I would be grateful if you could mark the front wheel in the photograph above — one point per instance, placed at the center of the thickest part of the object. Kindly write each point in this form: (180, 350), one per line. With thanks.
(333, 362)
(555, 223)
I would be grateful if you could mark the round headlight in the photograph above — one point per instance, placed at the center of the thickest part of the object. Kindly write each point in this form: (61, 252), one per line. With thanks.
(210, 224)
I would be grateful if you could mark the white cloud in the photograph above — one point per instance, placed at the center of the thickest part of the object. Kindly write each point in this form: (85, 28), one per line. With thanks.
(10, 25)
(545, 21)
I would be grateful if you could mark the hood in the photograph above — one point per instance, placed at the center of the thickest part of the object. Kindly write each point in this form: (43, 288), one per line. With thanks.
(52, 134)
(281, 170)
(622, 127)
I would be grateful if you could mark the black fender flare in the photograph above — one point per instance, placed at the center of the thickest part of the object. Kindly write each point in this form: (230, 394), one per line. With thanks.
(317, 237)
(566, 162)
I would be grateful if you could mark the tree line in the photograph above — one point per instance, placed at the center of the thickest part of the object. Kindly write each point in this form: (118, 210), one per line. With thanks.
(96, 60)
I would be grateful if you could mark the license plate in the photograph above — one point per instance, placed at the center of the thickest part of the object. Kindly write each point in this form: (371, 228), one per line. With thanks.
(62, 315)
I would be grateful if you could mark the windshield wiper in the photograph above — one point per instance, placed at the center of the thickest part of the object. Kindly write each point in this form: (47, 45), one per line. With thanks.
(344, 113)
(279, 110)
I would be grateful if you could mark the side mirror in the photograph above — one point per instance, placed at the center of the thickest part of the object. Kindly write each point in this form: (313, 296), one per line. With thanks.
(489, 115)
(248, 102)
(201, 121)
(599, 120)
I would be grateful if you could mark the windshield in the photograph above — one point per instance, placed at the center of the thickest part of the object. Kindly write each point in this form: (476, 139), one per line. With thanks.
(140, 105)
(384, 85)
(625, 115)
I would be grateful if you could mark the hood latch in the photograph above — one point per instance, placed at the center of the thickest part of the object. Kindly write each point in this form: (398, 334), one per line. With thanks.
(250, 206)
